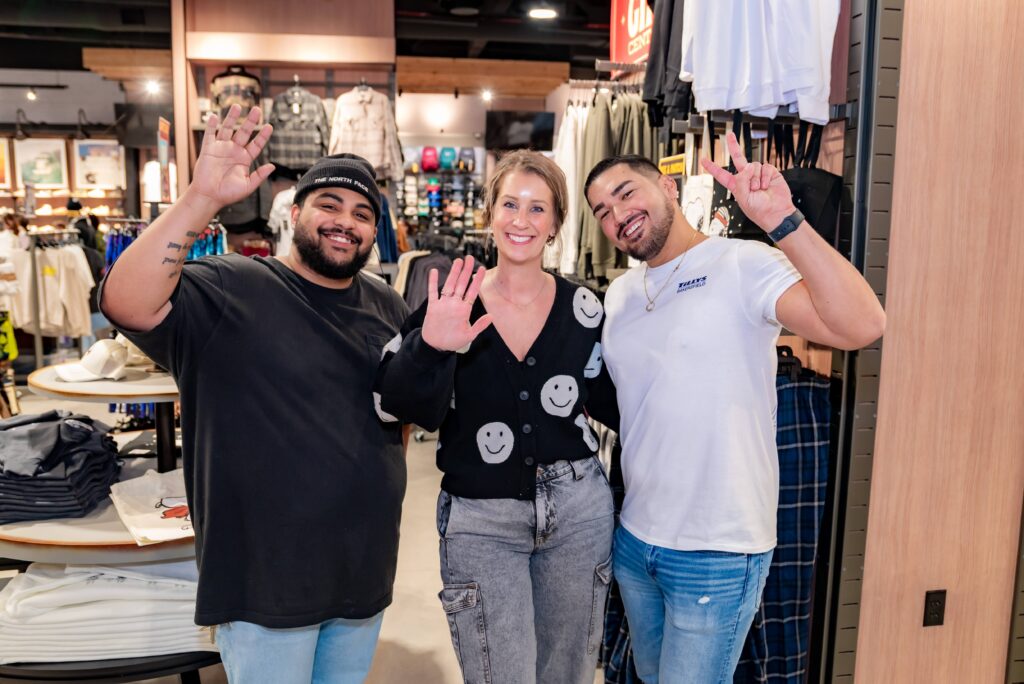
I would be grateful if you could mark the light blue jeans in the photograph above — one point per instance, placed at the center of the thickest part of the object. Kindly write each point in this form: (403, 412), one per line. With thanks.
(689, 611)
(525, 582)
(334, 652)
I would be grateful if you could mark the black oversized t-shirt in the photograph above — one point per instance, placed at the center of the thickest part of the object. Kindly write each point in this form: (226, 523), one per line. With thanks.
(294, 483)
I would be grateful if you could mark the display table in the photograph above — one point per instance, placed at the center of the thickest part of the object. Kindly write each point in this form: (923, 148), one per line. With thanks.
(100, 537)
(138, 387)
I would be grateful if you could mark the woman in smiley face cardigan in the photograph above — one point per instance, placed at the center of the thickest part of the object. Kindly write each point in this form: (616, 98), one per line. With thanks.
(507, 364)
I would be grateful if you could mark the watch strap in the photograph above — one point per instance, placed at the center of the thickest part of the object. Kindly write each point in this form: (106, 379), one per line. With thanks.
(788, 225)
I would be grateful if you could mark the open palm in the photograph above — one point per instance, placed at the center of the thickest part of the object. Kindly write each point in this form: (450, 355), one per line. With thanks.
(223, 171)
(446, 326)
(760, 189)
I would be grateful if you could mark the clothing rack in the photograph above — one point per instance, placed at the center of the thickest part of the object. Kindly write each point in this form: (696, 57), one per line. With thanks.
(695, 124)
(604, 65)
(34, 238)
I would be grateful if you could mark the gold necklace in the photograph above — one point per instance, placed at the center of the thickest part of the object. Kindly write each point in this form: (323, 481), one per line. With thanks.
(647, 268)
(543, 287)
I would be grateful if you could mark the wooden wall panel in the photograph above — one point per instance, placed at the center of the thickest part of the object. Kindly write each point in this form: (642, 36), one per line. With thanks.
(948, 477)
(341, 18)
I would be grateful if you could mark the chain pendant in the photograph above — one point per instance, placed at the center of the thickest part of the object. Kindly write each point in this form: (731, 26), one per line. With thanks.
(650, 306)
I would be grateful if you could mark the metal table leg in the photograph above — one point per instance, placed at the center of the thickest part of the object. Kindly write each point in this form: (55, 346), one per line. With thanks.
(166, 452)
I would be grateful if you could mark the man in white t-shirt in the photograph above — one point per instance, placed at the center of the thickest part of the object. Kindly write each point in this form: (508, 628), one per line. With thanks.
(690, 343)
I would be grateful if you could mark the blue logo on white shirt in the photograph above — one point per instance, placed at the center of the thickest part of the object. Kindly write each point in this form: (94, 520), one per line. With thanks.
(692, 284)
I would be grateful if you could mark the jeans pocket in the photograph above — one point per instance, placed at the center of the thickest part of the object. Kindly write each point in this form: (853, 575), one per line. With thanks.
(602, 578)
(444, 512)
(465, 613)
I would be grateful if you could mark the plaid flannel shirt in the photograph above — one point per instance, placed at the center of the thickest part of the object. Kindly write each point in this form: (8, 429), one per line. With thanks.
(776, 649)
(301, 131)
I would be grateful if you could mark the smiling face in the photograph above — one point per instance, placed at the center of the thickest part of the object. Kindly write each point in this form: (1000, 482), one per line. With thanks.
(559, 395)
(522, 217)
(594, 363)
(634, 209)
(334, 232)
(587, 308)
(495, 442)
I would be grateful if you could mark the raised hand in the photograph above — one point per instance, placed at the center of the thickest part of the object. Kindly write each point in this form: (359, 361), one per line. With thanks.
(760, 190)
(446, 326)
(222, 174)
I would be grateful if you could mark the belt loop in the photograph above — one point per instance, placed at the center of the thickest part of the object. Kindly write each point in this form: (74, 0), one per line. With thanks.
(577, 469)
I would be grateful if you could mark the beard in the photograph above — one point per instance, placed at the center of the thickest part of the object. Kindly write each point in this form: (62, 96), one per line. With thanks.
(657, 235)
(307, 242)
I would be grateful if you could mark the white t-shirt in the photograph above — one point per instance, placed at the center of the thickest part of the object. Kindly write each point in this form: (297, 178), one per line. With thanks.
(280, 220)
(696, 391)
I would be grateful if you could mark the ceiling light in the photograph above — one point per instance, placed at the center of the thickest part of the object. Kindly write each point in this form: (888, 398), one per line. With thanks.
(487, 96)
(543, 13)
(153, 87)
(31, 95)
(465, 11)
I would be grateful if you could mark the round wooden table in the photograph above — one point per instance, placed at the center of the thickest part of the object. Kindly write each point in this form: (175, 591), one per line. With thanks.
(138, 387)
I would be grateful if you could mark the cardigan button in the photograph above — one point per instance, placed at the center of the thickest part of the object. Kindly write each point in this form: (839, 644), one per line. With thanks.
(527, 428)
(528, 460)
(524, 395)
(530, 361)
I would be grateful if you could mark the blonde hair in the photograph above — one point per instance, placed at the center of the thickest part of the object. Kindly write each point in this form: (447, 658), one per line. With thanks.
(536, 163)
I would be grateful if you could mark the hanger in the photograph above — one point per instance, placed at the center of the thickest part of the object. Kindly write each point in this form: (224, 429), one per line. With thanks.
(363, 86)
(236, 70)
(789, 364)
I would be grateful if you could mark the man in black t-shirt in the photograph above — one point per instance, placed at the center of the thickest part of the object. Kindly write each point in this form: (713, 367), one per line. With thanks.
(294, 479)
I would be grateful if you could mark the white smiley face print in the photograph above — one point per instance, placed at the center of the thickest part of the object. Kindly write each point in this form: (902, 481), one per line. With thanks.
(381, 413)
(587, 307)
(392, 346)
(594, 364)
(559, 395)
(588, 435)
(495, 441)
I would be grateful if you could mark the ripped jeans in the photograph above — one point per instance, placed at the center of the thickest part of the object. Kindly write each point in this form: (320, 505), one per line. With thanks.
(689, 611)
(525, 582)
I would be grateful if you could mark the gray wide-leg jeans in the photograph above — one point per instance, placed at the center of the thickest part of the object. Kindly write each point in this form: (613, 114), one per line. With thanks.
(525, 582)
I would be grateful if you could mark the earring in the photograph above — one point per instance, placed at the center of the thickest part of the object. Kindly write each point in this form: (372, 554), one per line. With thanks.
(551, 240)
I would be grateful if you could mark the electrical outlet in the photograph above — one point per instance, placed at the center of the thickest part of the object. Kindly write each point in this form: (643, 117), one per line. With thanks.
(934, 607)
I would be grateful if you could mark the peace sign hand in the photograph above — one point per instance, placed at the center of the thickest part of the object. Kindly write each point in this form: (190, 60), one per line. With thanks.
(760, 190)
(221, 175)
(446, 326)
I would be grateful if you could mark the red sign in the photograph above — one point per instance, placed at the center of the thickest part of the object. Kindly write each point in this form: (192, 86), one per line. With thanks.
(632, 21)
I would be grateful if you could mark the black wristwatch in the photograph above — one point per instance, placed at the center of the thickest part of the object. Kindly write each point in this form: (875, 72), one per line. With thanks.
(788, 225)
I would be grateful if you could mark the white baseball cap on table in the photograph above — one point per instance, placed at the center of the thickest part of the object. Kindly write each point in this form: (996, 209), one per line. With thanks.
(105, 360)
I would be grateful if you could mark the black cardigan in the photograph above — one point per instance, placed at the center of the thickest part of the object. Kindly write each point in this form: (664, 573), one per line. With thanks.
(499, 417)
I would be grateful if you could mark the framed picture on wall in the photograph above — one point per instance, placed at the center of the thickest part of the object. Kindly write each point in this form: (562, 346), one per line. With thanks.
(5, 165)
(42, 162)
(99, 165)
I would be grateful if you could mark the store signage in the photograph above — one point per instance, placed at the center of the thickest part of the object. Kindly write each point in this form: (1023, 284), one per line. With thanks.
(163, 148)
(632, 23)
(674, 165)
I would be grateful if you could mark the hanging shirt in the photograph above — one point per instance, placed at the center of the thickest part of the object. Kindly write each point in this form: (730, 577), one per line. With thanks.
(280, 221)
(364, 124)
(696, 387)
(563, 252)
(500, 417)
(235, 86)
(599, 143)
(301, 130)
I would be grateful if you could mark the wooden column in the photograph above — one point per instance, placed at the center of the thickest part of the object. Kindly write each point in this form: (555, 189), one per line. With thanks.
(948, 476)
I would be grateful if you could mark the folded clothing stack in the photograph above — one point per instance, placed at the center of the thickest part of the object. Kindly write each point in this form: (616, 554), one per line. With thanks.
(56, 613)
(54, 465)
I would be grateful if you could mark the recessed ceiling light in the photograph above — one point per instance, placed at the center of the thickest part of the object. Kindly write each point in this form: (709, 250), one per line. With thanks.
(152, 87)
(487, 96)
(543, 13)
(465, 11)
(31, 95)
